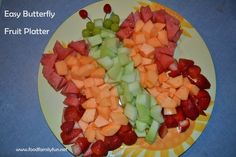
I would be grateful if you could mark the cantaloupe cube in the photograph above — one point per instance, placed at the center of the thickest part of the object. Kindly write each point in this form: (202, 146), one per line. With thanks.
(154, 41)
(169, 111)
(146, 50)
(61, 67)
(139, 38)
(165, 85)
(90, 103)
(146, 61)
(104, 112)
(141, 68)
(175, 82)
(87, 93)
(165, 101)
(114, 92)
(138, 26)
(148, 27)
(118, 109)
(83, 71)
(98, 135)
(128, 43)
(137, 60)
(68, 76)
(152, 77)
(193, 89)
(163, 77)
(71, 61)
(89, 82)
(100, 121)
(172, 92)
(182, 93)
(98, 73)
(98, 81)
(119, 118)
(78, 83)
(102, 95)
(152, 67)
(153, 91)
(186, 81)
(177, 100)
(83, 125)
(105, 102)
(159, 26)
(90, 134)
(162, 36)
(110, 129)
(83, 60)
(89, 115)
(133, 52)
(95, 91)
(114, 102)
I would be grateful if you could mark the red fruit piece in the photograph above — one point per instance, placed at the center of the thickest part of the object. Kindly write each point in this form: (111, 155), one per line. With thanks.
(137, 16)
(177, 35)
(202, 82)
(179, 116)
(159, 16)
(67, 126)
(170, 121)
(124, 128)
(79, 46)
(146, 13)
(99, 148)
(172, 27)
(184, 64)
(183, 125)
(129, 137)
(48, 60)
(163, 130)
(160, 68)
(107, 8)
(113, 142)
(69, 138)
(190, 109)
(83, 14)
(70, 88)
(174, 73)
(194, 71)
(83, 143)
(61, 51)
(204, 99)
(88, 152)
(71, 101)
(165, 61)
(124, 33)
(56, 81)
(129, 21)
(71, 114)
(47, 71)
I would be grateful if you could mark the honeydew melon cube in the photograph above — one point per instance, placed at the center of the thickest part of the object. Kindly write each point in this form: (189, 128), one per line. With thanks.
(152, 132)
(123, 58)
(106, 51)
(137, 76)
(127, 95)
(129, 67)
(95, 40)
(143, 99)
(105, 33)
(105, 62)
(115, 60)
(119, 89)
(123, 50)
(134, 88)
(111, 43)
(95, 53)
(114, 71)
(141, 126)
(98, 22)
(155, 113)
(143, 113)
(131, 77)
(131, 112)
(140, 133)
(152, 101)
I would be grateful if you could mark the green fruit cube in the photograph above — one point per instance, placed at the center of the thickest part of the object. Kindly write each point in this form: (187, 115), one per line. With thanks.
(152, 132)
(94, 40)
(105, 62)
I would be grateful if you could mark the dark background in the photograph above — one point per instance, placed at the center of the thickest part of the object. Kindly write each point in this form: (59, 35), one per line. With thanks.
(22, 123)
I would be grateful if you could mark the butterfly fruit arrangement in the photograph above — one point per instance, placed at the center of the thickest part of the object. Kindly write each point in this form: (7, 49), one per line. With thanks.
(121, 82)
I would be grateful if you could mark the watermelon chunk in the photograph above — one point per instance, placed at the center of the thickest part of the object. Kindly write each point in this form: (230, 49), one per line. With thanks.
(55, 81)
(48, 60)
(146, 13)
(164, 60)
(70, 88)
(159, 16)
(177, 36)
(124, 33)
(47, 71)
(79, 46)
(61, 51)
(169, 50)
(137, 16)
(129, 21)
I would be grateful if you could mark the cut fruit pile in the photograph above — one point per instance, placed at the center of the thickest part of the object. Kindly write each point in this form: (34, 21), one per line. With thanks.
(122, 82)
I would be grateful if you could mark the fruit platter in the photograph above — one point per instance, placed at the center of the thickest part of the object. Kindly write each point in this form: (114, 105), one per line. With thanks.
(136, 81)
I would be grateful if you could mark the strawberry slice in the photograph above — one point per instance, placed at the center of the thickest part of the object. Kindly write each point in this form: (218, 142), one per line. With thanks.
(179, 116)
(99, 148)
(190, 109)
(67, 126)
(163, 130)
(113, 142)
(183, 125)
(71, 114)
(83, 143)
(184, 64)
(202, 82)
(69, 138)
(129, 137)
(170, 121)
(204, 99)
(194, 71)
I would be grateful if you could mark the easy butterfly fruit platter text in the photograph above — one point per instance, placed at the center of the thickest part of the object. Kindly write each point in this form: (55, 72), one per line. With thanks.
(123, 85)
